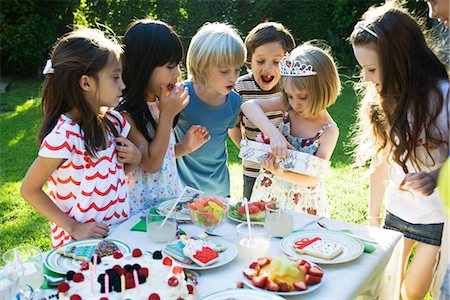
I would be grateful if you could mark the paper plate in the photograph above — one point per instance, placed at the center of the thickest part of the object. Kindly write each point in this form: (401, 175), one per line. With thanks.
(242, 294)
(352, 248)
(57, 263)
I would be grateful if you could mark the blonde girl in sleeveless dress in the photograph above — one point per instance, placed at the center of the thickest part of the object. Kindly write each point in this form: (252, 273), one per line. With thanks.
(310, 84)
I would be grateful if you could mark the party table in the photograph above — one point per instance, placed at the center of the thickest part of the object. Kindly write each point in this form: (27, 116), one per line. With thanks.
(369, 276)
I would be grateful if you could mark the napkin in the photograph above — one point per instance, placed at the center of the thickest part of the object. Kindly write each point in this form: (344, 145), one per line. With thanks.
(368, 248)
(142, 224)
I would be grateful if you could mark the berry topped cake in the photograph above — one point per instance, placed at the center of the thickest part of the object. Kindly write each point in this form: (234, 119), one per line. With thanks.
(129, 276)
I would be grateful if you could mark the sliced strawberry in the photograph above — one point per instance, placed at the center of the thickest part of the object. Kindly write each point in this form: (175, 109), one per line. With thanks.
(84, 266)
(300, 286)
(172, 281)
(137, 252)
(190, 288)
(177, 270)
(250, 273)
(272, 286)
(63, 287)
(284, 286)
(117, 254)
(255, 265)
(316, 271)
(311, 279)
(143, 272)
(154, 296)
(167, 261)
(259, 281)
(263, 261)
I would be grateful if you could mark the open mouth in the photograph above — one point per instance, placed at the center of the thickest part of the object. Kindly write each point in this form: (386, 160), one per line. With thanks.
(230, 87)
(266, 78)
(170, 86)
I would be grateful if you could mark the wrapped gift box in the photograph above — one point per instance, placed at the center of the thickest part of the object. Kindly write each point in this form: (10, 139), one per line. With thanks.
(298, 162)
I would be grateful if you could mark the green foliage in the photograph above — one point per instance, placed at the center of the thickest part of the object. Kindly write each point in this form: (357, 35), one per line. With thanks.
(29, 28)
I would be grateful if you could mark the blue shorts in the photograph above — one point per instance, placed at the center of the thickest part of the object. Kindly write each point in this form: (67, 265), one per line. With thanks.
(424, 233)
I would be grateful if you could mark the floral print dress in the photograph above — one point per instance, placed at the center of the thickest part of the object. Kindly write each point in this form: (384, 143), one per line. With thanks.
(147, 189)
(268, 187)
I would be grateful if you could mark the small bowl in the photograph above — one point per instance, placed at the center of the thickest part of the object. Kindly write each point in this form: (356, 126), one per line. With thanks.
(207, 212)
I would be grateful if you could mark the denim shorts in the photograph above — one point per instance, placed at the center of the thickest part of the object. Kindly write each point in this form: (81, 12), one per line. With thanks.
(424, 233)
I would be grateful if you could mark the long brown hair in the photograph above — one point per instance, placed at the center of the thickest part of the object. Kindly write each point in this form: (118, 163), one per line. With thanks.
(80, 52)
(395, 118)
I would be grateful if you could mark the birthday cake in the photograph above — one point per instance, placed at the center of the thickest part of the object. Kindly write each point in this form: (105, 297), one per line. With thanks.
(129, 276)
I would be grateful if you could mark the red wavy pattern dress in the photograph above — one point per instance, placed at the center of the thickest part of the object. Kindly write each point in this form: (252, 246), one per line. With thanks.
(85, 188)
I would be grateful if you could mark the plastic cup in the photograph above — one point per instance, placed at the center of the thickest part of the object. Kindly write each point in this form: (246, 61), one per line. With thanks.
(250, 249)
(8, 284)
(29, 269)
(158, 233)
(279, 223)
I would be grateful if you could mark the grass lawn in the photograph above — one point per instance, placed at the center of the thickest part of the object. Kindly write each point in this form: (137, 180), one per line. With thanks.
(20, 118)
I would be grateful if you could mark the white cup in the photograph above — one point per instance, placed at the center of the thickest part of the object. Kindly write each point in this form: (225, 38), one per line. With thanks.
(256, 247)
(280, 223)
(158, 233)
(29, 269)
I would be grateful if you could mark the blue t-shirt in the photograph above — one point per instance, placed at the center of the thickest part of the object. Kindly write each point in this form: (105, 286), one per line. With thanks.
(206, 168)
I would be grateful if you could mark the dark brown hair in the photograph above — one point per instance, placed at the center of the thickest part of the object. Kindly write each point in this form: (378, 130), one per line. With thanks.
(268, 32)
(148, 44)
(410, 75)
(77, 53)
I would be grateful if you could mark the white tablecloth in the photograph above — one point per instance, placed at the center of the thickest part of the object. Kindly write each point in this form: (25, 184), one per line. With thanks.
(370, 276)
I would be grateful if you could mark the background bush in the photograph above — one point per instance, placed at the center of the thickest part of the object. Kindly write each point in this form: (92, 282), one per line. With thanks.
(29, 28)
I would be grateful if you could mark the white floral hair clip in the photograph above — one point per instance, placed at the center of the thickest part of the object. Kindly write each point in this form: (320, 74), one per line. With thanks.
(48, 69)
(361, 25)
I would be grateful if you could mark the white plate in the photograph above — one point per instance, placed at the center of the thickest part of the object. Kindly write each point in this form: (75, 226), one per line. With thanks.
(242, 294)
(310, 288)
(352, 248)
(182, 215)
(235, 220)
(57, 263)
(224, 257)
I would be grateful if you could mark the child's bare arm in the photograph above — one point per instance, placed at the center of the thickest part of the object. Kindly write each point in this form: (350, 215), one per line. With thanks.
(327, 143)
(195, 137)
(235, 133)
(32, 192)
(128, 153)
(377, 188)
(254, 110)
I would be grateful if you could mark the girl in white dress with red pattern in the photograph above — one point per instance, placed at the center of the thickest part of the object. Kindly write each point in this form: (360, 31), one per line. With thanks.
(151, 103)
(310, 84)
(84, 153)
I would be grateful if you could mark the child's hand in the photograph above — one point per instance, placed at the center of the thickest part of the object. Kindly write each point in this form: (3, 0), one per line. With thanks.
(89, 230)
(195, 137)
(423, 182)
(173, 101)
(279, 145)
(268, 163)
(127, 152)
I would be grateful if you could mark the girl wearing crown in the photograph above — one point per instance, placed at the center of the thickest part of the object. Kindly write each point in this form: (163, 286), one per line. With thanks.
(310, 84)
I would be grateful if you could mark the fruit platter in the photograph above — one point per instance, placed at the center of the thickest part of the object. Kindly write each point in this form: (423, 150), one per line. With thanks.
(207, 212)
(283, 275)
(257, 211)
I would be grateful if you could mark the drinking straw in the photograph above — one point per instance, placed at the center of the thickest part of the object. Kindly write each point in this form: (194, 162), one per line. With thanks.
(17, 261)
(248, 219)
(136, 280)
(176, 202)
(106, 284)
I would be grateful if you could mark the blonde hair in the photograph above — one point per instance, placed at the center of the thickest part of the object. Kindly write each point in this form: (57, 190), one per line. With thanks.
(322, 88)
(214, 44)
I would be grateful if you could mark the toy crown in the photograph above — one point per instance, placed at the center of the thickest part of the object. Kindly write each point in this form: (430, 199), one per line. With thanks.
(293, 67)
